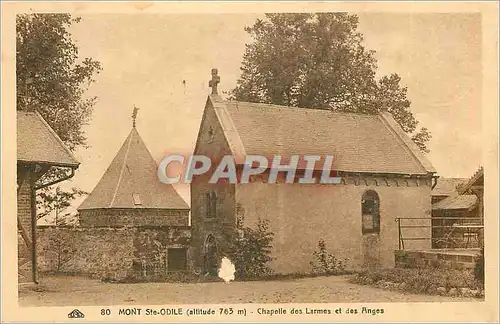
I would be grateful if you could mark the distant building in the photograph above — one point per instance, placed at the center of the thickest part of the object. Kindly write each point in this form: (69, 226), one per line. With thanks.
(129, 225)
(39, 149)
(446, 187)
(384, 176)
(460, 206)
(130, 194)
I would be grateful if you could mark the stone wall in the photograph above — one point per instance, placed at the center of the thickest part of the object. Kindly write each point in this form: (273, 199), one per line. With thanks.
(436, 259)
(109, 253)
(133, 217)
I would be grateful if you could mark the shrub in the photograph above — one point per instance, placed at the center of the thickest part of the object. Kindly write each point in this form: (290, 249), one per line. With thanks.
(61, 243)
(251, 251)
(326, 263)
(479, 268)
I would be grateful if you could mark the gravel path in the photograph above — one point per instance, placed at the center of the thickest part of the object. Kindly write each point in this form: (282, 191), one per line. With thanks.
(62, 291)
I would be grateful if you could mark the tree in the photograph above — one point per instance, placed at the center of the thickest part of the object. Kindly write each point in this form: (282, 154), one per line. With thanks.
(62, 244)
(317, 60)
(50, 75)
(52, 79)
(56, 200)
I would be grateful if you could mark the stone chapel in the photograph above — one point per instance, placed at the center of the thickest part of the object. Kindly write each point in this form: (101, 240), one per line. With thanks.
(384, 176)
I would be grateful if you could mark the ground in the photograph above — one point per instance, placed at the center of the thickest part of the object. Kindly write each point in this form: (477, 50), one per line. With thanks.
(62, 291)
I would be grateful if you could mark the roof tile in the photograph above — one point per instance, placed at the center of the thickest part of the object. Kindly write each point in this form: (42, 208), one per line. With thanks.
(358, 142)
(132, 178)
(37, 142)
(456, 202)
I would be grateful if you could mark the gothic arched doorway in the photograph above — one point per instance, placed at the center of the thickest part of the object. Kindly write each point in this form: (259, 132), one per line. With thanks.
(211, 260)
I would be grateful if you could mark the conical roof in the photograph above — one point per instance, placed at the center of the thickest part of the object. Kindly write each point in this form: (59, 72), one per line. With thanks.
(131, 181)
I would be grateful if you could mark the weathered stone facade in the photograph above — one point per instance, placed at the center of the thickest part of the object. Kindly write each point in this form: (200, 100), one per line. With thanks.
(133, 217)
(111, 253)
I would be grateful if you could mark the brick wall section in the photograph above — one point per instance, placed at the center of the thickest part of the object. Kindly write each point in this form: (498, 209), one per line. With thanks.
(24, 214)
(110, 253)
(222, 227)
(133, 217)
(302, 214)
(24, 206)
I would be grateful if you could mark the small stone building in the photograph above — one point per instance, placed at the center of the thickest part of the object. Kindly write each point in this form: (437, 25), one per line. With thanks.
(446, 187)
(131, 224)
(39, 149)
(384, 176)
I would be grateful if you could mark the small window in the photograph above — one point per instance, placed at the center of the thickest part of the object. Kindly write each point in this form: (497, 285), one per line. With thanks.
(137, 199)
(370, 212)
(211, 204)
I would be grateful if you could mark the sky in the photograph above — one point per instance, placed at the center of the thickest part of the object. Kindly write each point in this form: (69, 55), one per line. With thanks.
(145, 59)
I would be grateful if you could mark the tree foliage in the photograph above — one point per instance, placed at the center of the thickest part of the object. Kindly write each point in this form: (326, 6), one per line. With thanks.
(56, 200)
(52, 79)
(50, 75)
(319, 61)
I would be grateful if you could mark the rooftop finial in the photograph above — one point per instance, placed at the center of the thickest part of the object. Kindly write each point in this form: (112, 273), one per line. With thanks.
(215, 80)
(134, 115)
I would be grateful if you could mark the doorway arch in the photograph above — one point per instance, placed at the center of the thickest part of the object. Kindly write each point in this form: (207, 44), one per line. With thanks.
(211, 256)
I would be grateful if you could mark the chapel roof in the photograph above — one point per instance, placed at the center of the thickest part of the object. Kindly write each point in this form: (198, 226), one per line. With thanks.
(38, 143)
(358, 142)
(131, 181)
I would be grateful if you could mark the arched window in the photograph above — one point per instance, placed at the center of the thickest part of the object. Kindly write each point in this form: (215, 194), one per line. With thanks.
(370, 215)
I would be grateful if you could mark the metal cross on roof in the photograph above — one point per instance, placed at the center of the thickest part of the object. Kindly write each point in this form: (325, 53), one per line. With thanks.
(215, 80)
(134, 115)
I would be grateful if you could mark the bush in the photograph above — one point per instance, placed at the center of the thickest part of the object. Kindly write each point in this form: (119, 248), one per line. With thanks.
(325, 263)
(251, 251)
(479, 268)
